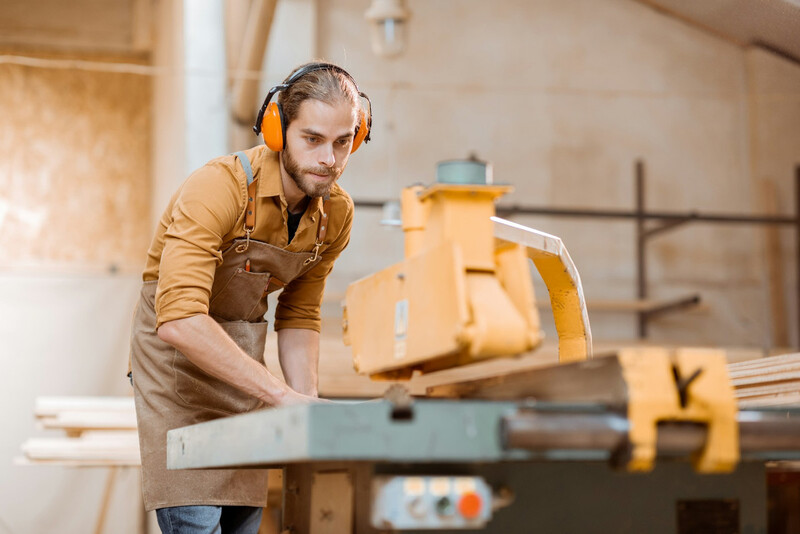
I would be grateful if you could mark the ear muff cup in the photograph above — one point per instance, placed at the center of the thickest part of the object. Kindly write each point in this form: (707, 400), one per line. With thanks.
(273, 127)
(361, 131)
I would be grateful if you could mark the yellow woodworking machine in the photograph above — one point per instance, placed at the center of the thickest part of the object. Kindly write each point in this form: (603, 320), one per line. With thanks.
(453, 300)
(463, 292)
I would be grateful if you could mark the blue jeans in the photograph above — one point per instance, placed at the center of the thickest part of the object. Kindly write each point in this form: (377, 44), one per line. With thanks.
(209, 519)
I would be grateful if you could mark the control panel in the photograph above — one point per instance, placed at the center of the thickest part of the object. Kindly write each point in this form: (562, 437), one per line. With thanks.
(430, 502)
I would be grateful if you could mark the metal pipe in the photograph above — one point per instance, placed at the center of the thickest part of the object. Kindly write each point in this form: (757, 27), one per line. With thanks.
(665, 226)
(691, 216)
(641, 241)
(769, 430)
(683, 217)
(762, 433)
(605, 432)
(543, 431)
(671, 306)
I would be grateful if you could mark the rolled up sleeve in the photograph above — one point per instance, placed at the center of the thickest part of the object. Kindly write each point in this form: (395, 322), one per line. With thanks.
(299, 303)
(206, 208)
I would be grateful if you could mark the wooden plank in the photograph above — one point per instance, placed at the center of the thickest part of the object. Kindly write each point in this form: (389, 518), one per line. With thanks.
(97, 462)
(771, 400)
(766, 371)
(91, 446)
(772, 381)
(783, 389)
(774, 388)
(85, 420)
(338, 379)
(599, 380)
(101, 432)
(744, 382)
(765, 362)
(52, 406)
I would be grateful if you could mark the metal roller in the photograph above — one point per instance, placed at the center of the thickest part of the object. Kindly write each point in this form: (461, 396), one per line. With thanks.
(763, 434)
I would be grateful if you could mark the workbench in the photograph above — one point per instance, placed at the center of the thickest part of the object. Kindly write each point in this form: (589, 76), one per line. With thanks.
(340, 459)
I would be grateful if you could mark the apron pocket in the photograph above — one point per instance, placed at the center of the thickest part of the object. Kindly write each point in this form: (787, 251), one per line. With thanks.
(242, 298)
(198, 389)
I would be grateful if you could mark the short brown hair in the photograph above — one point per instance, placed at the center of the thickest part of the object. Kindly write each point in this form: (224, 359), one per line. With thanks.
(325, 85)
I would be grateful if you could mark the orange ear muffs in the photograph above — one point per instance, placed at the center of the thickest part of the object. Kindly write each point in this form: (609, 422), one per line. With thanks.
(273, 128)
(362, 131)
(271, 123)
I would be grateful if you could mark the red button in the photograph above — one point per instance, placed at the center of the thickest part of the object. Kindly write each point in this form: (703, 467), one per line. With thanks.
(470, 505)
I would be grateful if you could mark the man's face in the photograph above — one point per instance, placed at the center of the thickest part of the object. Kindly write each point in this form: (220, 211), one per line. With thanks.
(318, 143)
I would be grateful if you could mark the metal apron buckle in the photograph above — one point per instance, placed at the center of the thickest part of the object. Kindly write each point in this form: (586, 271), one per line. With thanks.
(243, 247)
(317, 244)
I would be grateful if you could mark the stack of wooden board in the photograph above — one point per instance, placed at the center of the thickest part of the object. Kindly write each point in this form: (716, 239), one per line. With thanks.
(773, 381)
(99, 431)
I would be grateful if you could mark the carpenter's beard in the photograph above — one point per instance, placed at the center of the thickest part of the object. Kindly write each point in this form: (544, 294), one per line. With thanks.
(309, 185)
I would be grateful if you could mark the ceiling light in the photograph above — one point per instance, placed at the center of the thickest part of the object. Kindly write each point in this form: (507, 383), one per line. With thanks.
(387, 26)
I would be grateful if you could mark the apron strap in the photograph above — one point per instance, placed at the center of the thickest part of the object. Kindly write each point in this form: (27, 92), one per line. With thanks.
(250, 214)
(322, 230)
(250, 217)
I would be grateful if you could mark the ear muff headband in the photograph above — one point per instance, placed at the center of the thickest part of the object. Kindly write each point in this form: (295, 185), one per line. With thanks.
(271, 123)
(364, 128)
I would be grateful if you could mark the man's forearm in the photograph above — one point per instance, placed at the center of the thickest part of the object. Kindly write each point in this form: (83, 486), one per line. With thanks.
(298, 351)
(207, 346)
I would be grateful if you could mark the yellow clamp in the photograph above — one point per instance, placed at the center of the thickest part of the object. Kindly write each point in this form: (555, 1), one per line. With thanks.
(653, 397)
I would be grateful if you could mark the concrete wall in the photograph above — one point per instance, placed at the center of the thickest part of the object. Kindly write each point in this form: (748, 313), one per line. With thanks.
(563, 97)
(74, 206)
(74, 167)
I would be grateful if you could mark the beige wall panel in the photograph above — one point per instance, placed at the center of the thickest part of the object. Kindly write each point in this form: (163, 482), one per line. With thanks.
(74, 167)
(562, 97)
(583, 45)
(111, 26)
(775, 112)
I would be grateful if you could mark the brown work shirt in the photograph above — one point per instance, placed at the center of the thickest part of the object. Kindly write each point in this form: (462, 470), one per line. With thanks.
(207, 213)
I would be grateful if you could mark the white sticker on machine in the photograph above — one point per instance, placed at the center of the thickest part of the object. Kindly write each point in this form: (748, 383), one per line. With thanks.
(400, 328)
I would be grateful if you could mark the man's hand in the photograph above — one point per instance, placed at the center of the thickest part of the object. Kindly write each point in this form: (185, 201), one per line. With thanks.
(209, 347)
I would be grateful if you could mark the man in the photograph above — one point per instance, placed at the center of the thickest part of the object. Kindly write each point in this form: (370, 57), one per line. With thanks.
(239, 228)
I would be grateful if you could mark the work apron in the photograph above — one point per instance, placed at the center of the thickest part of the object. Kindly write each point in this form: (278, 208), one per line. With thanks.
(171, 392)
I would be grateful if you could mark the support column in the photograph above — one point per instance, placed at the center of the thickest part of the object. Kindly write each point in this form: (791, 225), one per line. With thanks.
(206, 110)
